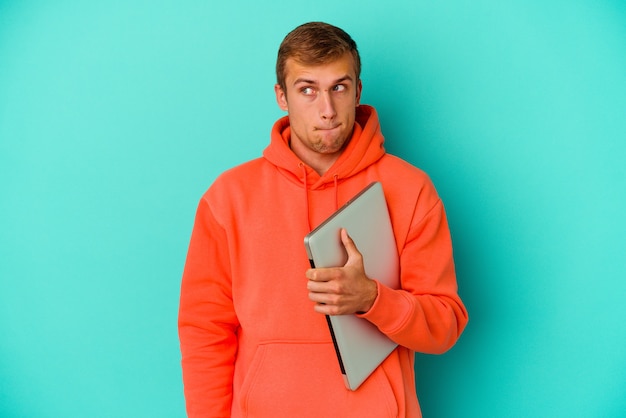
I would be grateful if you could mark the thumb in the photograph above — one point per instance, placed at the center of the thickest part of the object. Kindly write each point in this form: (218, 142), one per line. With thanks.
(353, 252)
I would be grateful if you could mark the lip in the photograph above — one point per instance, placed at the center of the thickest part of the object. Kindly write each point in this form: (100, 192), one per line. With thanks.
(327, 129)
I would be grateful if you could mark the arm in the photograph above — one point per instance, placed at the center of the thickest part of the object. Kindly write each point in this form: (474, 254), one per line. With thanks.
(426, 314)
(207, 323)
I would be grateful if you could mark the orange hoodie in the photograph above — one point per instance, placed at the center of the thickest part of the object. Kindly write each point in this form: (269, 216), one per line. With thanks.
(251, 343)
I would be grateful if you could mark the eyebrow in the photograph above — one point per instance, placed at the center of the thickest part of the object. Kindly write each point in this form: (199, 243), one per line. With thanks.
(307, 81)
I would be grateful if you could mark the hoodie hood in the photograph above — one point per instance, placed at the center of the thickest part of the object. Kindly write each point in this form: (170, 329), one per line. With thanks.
(364, 148)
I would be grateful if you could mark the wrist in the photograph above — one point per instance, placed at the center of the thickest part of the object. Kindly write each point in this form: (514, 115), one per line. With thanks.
(372, 294)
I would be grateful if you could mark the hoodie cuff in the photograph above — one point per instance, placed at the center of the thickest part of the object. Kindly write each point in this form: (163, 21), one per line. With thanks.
(390, 309)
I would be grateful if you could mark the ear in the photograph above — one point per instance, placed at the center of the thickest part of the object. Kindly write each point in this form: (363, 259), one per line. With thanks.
(281, 97)
(359, 88)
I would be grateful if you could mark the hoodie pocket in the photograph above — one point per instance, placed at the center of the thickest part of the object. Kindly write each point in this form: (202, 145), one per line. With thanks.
(303, 380)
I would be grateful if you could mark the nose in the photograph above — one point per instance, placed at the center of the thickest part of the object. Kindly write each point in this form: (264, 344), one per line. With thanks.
(327, 107)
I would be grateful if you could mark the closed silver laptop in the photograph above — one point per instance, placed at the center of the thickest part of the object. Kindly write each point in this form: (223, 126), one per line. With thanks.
(359, 344)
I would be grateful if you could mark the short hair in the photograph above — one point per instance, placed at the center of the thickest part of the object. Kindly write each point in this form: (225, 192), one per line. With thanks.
(315, 43)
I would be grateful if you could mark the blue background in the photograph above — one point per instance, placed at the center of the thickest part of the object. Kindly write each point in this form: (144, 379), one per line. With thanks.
(116, 116)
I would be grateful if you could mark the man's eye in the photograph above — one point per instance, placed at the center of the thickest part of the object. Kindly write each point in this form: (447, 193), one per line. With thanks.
(339, 87)
(307, 91)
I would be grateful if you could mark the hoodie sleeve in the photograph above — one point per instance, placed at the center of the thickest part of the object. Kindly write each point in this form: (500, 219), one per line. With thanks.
(207, 323)
(426, 315)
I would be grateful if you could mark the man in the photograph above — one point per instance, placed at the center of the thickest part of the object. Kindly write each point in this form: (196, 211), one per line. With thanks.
(254, 338)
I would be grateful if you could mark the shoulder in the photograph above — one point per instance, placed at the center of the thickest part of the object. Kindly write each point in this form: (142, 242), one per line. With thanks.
(235, 180)
(403, 176)
(239, 174)
(242, 171)
(400, 166)
(408, 189)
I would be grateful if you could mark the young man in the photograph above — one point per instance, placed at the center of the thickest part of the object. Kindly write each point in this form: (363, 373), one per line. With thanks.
(254, 338)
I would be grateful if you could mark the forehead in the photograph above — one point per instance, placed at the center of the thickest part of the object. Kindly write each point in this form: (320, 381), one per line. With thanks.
(325, 72)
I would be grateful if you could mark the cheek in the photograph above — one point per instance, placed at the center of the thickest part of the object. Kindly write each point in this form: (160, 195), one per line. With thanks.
(298, 124)
(302, 114)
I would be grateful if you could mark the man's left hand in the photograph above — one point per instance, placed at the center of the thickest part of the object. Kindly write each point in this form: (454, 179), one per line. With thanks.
(342, 290)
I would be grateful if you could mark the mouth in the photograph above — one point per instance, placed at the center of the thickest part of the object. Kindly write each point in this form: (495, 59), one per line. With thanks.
(327, 128)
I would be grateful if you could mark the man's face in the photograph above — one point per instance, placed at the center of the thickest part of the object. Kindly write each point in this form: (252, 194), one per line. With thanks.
(321, 101)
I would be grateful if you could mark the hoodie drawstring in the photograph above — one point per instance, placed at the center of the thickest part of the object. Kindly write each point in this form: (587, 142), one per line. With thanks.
(306, 196)
(336, 193)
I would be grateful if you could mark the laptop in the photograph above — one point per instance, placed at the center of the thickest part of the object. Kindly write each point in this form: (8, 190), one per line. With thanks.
(359, 345)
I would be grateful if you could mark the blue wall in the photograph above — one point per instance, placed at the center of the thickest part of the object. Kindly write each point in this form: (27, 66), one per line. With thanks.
(116, 116)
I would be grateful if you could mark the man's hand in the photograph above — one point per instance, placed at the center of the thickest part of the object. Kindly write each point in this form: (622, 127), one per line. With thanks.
(342, 290)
